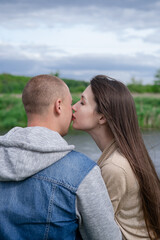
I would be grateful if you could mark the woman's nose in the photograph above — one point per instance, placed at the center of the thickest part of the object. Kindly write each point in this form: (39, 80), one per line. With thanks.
(74, 107)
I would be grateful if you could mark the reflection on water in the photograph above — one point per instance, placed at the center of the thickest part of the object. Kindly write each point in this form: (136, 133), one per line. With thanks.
(84, 143)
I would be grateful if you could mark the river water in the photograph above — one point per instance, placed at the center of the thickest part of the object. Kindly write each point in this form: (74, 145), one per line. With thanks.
(84, 143)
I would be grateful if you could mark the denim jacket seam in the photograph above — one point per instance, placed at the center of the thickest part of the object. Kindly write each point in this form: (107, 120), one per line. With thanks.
(49, 214)
(71, 188)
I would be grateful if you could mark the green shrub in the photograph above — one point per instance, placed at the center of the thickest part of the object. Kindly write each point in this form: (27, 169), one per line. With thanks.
(16, 84)
(12, 113)
(12, 84)
(148, 112)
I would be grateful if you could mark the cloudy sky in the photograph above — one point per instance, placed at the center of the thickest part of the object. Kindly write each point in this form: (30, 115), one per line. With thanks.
(81, 38)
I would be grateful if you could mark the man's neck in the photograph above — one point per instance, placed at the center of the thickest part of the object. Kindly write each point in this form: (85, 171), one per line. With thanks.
(40, 123)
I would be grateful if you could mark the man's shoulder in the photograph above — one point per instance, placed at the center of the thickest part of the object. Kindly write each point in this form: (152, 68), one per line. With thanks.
(71, 169)
(79, 158)
(75, 154)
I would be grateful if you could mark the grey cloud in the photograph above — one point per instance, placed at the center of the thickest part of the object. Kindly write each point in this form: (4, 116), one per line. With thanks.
(39, 4)
(83, 66)
(9, 51)
(154, 37)
(41, 50)
(103, 62)
(17, 67)
(102, 14)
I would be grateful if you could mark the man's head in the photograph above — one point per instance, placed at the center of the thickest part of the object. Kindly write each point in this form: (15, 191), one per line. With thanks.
(47, 102)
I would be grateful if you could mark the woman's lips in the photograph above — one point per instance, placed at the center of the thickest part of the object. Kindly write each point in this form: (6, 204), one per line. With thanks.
(73, 117)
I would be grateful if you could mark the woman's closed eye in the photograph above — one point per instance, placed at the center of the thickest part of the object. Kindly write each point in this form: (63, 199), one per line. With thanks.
(82, 103)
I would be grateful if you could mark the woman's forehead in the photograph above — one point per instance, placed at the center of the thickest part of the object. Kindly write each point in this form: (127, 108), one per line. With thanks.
(88, 95)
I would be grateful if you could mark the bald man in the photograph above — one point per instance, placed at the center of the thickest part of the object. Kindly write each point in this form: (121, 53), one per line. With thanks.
(48, 190)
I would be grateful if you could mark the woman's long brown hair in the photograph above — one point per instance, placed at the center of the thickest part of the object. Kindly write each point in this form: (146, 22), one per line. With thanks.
(117, 105)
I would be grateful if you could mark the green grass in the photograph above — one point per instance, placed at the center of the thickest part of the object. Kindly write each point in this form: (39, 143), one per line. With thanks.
(148, 111)
(15, 84)
(12, 111)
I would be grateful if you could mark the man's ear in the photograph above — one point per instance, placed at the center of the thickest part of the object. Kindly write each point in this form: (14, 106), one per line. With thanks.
(102, 119)
(58, 106)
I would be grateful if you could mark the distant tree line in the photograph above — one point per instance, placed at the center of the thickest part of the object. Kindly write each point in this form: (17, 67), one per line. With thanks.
(138, 87)
(15, 84)
(12, 84)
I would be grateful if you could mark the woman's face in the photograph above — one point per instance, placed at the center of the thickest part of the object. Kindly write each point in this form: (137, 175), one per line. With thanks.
(85, 116)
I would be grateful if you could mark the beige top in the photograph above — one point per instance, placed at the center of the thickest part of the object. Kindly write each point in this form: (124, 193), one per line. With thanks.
(123, 190)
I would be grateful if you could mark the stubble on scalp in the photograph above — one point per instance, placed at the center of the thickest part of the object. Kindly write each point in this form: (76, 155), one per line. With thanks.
(41, 91)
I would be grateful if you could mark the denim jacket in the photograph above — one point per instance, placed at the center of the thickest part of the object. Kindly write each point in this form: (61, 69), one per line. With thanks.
(61, 201)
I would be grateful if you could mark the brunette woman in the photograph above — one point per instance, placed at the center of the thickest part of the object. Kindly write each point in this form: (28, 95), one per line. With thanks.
(107, 112)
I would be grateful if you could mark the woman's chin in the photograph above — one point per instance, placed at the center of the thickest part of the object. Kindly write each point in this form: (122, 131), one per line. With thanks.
(75, 127)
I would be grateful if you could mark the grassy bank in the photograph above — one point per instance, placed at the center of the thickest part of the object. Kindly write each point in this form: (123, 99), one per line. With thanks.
(12, 112)
(148, 111)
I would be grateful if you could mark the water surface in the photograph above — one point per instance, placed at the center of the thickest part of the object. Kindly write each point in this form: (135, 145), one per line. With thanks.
(84, 143)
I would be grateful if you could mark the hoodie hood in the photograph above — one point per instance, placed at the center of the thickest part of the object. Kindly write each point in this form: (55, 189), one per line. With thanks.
(26, 151)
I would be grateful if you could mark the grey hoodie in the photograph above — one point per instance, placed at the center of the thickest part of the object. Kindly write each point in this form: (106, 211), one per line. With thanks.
(26, 151)
(16, 150)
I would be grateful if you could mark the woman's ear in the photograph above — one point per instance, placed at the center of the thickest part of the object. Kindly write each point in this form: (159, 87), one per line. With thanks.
(102, 119)
(58, 106)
